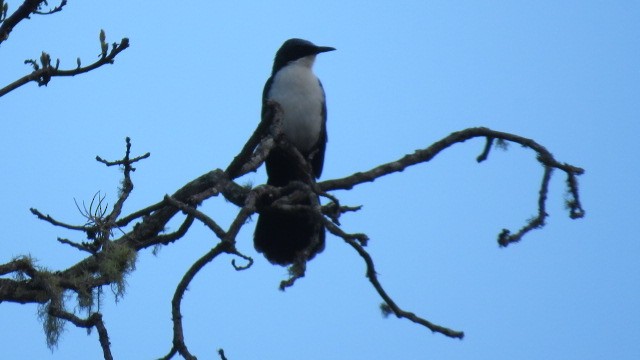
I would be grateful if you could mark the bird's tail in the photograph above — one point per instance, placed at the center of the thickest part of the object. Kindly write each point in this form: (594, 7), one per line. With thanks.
(285, 236)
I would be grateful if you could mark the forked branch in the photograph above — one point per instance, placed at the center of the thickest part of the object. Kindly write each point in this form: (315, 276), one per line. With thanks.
(31, 284)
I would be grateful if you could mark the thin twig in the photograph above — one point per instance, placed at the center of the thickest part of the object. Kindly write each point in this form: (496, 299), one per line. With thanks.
(485, 152)
(221, 353)
(505, 238)
(79, 246)
(373, 278)
(55, 222)
(53, 10)
(179, 344)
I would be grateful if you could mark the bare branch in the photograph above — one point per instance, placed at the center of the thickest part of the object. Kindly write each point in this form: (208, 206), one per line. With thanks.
(425, 155)
(178, 333)
(127, 184)
(126, 161)
(27, 8)
(245, 257)
(55, 222)
(505, 238)
(238, 166)
(302, 196)
(573, 202)
(485, 152)
(545, 158)
(373, 278)
(44, 74)
(94, 320)
(221, 353)
(53, 10)
(166, 239)
(79, 246)
(189, 210)
(124, 221)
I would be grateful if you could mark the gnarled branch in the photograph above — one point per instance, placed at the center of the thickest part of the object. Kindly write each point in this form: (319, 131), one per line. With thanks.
(148, 232)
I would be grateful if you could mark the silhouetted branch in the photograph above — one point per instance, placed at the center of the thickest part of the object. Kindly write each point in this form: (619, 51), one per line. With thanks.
(124, 221)
(80, 246)
(27, 8)
(192, 211)
(245, 257)
(248, 160)
(178, 334)
(35, 286)
(127, 184)
(545, 158)
(505, 237)
(94, 320)
(485, 152)
(55, 222)
(45, 71)
(573, 202)
(53, 10)
(221, 353)
(126, 161)
(166, 239)
(373, 278)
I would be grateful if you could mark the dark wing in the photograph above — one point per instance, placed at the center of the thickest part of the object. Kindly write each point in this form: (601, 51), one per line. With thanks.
(317, 158)
(265, 92)
(317, 154)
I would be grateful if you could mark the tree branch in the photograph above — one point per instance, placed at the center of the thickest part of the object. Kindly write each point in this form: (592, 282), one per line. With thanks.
(47, 71)
(149, 231)
(356, 241)
(94, 320)
(54, 10)
(545, 158)
(27, 8)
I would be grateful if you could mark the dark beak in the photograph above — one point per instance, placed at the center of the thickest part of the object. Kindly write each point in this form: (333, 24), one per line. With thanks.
(321, 49)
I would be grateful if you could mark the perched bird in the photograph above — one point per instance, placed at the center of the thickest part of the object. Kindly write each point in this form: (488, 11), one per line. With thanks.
(281, 236)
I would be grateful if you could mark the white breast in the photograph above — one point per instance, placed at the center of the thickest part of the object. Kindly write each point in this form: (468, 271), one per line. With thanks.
(298, 91)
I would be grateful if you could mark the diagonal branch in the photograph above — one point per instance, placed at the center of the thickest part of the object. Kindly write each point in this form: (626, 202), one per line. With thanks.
(179, 345)
(247, 160)
(44, 74)
(193, 212)
(390, 305)
(55, 222)
(27, 8)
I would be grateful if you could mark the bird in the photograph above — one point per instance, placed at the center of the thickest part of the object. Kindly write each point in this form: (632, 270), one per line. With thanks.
(283, 236)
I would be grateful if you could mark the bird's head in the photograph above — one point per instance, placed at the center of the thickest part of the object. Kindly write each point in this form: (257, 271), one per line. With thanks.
(296, 49)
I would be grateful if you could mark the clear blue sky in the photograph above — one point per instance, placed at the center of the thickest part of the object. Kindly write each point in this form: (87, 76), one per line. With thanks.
(566, 74)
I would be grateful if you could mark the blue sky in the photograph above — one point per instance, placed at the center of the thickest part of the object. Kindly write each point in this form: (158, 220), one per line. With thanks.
(566, 74)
